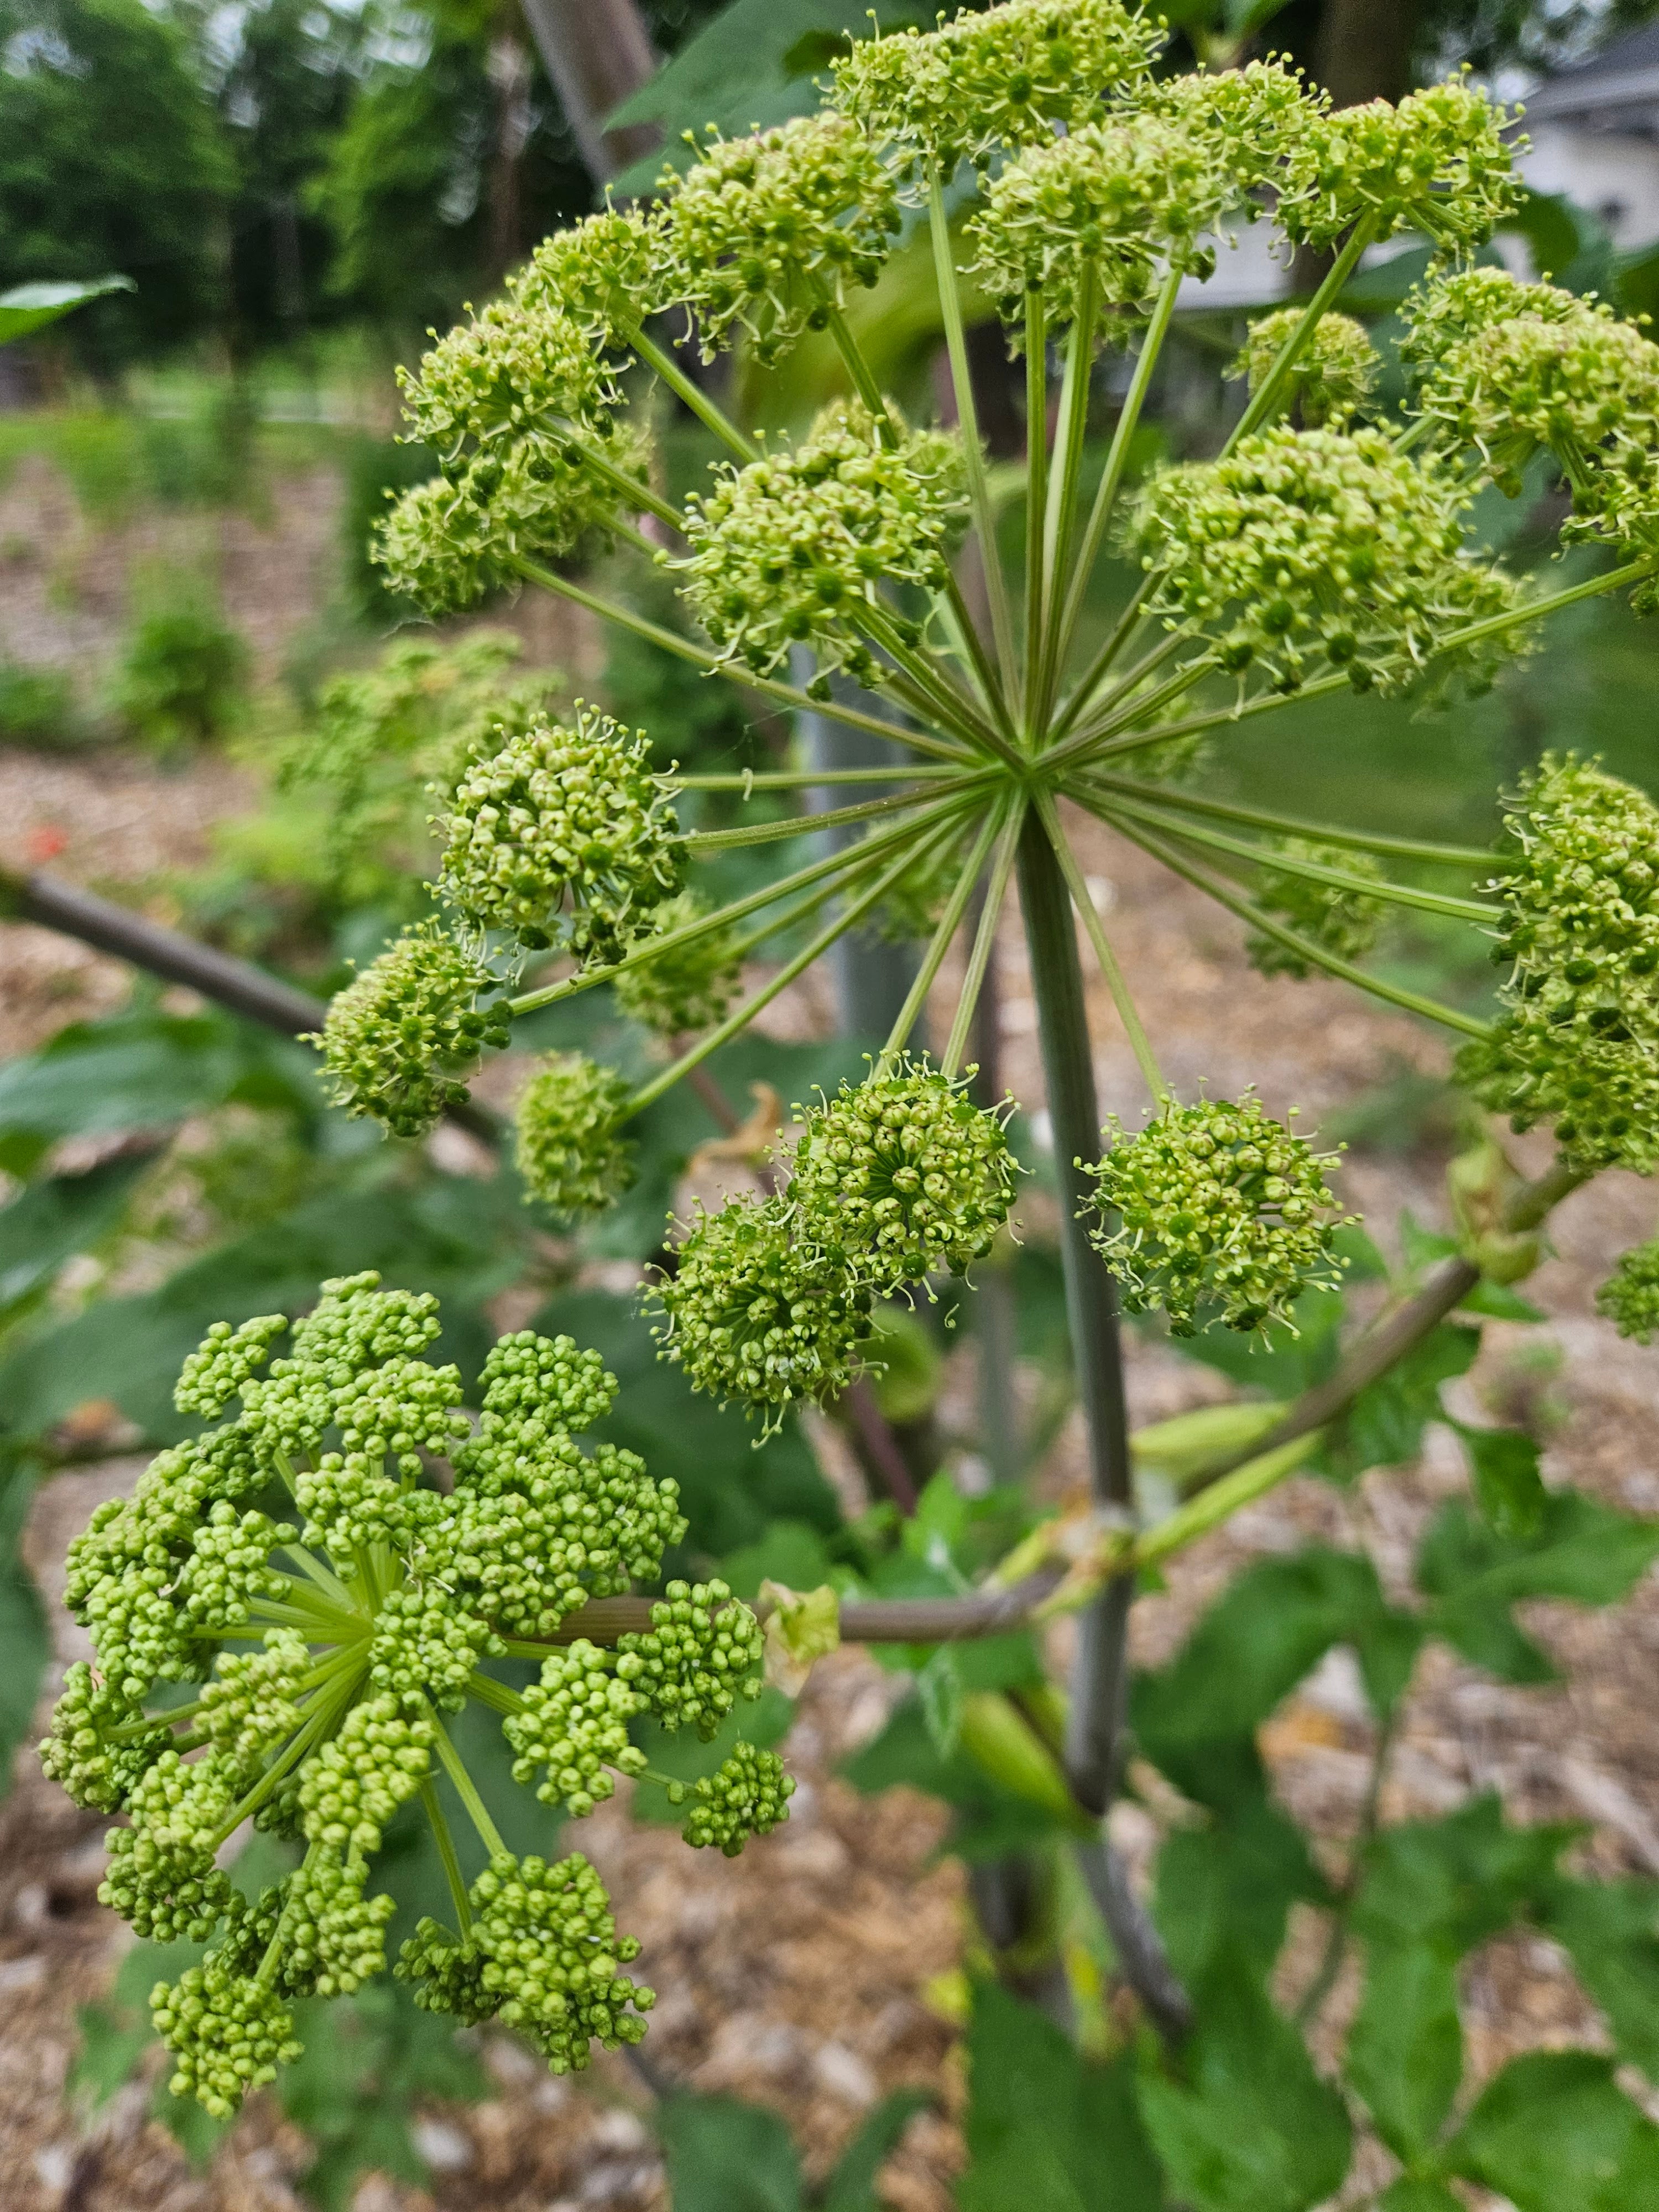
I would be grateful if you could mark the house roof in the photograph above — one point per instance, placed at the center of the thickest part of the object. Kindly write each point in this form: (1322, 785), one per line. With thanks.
(1617, 89)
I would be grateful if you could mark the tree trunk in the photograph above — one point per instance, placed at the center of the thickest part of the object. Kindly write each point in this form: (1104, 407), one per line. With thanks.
(597, 53)
(1363, 50)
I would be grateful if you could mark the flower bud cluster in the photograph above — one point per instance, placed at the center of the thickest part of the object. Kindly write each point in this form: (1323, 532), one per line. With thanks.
(512, 371)
(685, 987)
(249, 1707)
(1438, 162)
(575, 1723)
(1215, 1203)
(1514, 370)
(1311, 553)
(229, 2032)
(1577, 1044)
(603, 273)
(567, 1139)
(399, 1042)
(1003, 77)
(542, 1956)
(1341, 921)
(225, 1359)
(784, 551)
(96, 1767)
(751, 1312)
(901, 1177)
(747, 1795)
(703, 1649)
(1333, 376)
(1630, 1297)
(563, 837)
(352, 1786)
(334, 1932)
(426, 1645)
(764, 231)
(1108, 207)
(1253, 116)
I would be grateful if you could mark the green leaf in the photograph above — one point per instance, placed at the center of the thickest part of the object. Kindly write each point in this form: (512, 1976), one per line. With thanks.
(1384, 1425)
(1230, 1886)
(1282, 1363)
(990, 1820)
(1553, 2133)
(25, 1644)
(1611, 1929)
(1451, 1883)
(788, 1552)
(1405, 2052)
(852, 2186)
(724, 2156)
(1498, 1302)
(1046, 2130)
(731, 1487)
(51, 1220)
(1252, 2128)
(1472, 1574)
(1507, 1484)
(30, 307)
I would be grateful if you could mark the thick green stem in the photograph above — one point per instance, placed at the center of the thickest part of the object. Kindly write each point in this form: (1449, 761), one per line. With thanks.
(1139, 1043)
(1093, 1726)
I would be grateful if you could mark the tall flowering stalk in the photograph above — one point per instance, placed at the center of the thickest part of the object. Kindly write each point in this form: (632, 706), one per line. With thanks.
(1325, 548)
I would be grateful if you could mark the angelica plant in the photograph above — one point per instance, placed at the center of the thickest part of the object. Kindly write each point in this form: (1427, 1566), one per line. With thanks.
(1327, 548)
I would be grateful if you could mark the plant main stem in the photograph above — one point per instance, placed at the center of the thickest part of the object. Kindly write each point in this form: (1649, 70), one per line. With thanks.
(1094, 1722)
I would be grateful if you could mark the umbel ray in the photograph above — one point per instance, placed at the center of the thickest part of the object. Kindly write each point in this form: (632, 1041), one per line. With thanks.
(1326, 548)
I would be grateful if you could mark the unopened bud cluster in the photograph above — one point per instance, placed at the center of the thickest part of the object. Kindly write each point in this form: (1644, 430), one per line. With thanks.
(400, 1042)
(1333, 373)
(568, 1135)
(1215, 1206)
(1339, 921)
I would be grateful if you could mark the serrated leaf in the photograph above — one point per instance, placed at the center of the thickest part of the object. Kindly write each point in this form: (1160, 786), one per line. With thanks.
(1553, 2133)
(1405, 2052)
(1473, 1574)
(724, 2156)
(1499, 1301)
(1046, 2130)
(1611, 1931)
(852, 2186)
(1508, 1487)
(50, 1221)
(1451, 1883)
(1251, 2127)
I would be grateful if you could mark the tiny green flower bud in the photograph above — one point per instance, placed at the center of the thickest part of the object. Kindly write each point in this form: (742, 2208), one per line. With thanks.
(569, 1146)
(399, 1042)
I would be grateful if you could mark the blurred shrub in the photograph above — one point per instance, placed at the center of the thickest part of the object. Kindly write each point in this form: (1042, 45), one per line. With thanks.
(181, 677)
(38, 708)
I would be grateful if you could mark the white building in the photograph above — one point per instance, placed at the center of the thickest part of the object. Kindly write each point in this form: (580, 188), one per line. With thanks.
(1595, 132)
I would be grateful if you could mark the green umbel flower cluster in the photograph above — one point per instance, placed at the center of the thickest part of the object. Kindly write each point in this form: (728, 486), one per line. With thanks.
(1516, 369)
(1306, 554)
(564, 837)
(567, 1139)
(512, 371)
(747, 1795)
(1005, 76)
(685, 987)
(604, 273)
(1438, 163)
(1577, 1044)
(541, 1954)
(765, 231)
(1629, 1296)
(790, 550)
(901, 1177)
(1339, 921)
(1334, 376)
(329, 1656)
(399, 1042)
(1215, 1204)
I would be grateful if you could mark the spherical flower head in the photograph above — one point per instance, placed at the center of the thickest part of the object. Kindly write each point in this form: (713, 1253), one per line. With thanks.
(228, 2031)
(1215, 1204)
(1584, 387)
(88, 1751)
(1341, 921)
(1438, 163)
(1630, 1297)
(573, 1722)
(1315, 552)
(1461, 303)
(1004, 76)
(1577, 1044)
(685, 987)
(901, 1176)
(784, 551)
(514, 370)
(567, 1139)
(335, 1933)
(703, 1649)
(400, 1040)
(752, 1313)
(563, 837)
(1105, 209)
(764, 231)
(1334, 375)
(603, 273)
(1252, 117)
(453, 540)
(747, 1795)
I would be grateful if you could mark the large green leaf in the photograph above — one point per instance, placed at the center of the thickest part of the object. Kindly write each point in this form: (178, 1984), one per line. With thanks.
(1230, 1885)
(1452, 1883)
(1405, 2051)
(30, 307)
(852, 2186)
(51, 1220)
(731, 1487)
(1611, 1929)
(1472, 1574)
(1047, 2132)
(724, 2156)
(1553, 2133)
(1384, 1425)
(1251, 2127)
